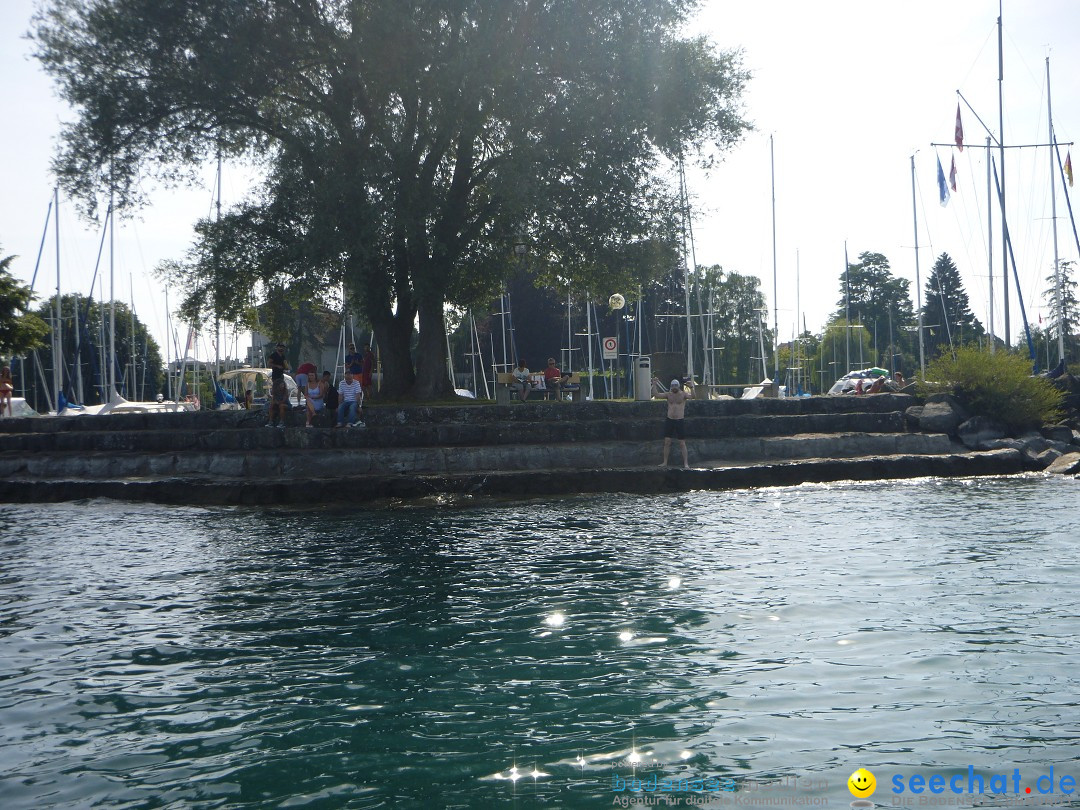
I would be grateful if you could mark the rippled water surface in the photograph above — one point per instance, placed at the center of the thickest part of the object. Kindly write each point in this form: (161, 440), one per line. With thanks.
(772, 640)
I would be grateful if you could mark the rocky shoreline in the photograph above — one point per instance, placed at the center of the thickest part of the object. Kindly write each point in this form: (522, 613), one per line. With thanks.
(512, 451)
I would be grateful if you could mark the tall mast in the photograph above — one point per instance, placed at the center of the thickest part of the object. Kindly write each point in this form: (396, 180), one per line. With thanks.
(58, 331)
(847, 312)
(776, 311)
(1001, 159)
(1058, 297)
(217, 312)
(990, 240)
(918, 280)
(112, 302)
(686, 271)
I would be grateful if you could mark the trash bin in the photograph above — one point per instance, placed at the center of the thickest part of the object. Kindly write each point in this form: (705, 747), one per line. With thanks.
(643, 379)
(502, 394)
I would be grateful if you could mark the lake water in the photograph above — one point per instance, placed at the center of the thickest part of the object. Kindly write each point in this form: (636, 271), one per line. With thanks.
(546, 654)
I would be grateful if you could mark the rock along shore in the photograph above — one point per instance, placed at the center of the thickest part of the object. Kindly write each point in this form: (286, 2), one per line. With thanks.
(519, 450)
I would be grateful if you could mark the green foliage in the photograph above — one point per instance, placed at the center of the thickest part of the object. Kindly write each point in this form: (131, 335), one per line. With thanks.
(1067, 310)
(832, 353)
(407, 144)
(946, 310)
(20, 330)
(141, 381)
(879, 301)
(998, 386)
(738, 302)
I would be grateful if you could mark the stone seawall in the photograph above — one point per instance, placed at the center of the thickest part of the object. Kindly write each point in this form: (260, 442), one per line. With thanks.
(523, 449)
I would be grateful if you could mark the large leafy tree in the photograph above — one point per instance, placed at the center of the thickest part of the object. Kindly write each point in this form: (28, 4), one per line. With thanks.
(880, 303)
(739, 303)
(946, 311)
(407, 143)
(20, 330)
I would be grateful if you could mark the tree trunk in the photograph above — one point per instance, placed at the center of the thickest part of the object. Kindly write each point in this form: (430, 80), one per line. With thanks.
(394, 335)
(432, 377)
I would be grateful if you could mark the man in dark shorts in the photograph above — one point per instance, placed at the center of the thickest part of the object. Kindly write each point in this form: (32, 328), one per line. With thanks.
(279, 393)
(674, 425)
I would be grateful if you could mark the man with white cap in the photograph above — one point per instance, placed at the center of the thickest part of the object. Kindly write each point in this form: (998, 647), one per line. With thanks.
(676, 409)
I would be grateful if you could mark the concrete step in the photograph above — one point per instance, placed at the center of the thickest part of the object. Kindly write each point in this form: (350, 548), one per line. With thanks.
(441, 434)
(281, 462)
(353, 490)
(472, 414)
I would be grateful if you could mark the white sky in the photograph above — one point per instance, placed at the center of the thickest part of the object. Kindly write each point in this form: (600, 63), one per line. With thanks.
(849, 90)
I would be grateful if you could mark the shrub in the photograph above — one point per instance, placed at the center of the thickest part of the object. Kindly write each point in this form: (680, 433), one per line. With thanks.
(998, 386)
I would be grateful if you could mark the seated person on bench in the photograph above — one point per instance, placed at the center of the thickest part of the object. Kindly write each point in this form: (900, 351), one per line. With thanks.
(554, 380)
(522, 383)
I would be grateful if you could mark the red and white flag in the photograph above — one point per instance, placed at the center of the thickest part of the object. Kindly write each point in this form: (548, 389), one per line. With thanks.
(959, 130)
(952, 174)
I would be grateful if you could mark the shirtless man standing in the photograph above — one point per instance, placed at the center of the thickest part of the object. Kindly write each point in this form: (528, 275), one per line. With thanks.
(676, 410)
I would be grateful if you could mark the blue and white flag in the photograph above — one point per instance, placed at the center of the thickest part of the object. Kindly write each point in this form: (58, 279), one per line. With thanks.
(943, 187)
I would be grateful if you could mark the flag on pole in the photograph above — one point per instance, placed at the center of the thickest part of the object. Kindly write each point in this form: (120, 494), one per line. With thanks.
(952, 174)
(942, 186)
(1068, 167)
(959, 130)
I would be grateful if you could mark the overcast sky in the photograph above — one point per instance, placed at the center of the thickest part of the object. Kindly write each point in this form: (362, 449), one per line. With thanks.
(848, 89)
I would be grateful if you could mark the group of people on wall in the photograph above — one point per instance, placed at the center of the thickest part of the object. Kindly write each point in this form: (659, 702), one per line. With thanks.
(319, 394)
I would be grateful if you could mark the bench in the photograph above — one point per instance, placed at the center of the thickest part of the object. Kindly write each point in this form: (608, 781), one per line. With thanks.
(504, 380)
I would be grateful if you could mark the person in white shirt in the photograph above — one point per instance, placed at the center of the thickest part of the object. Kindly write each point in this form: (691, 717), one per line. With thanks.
(350, 399)
(523, 383)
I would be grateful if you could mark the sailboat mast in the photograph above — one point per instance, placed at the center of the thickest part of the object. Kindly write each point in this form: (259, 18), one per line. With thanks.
(776, 311)
(131, 342)
(686, 270)
(1053, 218)
(847, 311)
(58, 329)
(1001, 159)
(918, 280)
(990, 241)
(112, 302)
(217, 313)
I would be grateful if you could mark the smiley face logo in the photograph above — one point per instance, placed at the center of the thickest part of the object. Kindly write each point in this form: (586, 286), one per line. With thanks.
(862, 783)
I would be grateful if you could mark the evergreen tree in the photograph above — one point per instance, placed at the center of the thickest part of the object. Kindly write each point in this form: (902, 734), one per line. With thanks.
(20, 330)
(1069, 310)
(946, 312)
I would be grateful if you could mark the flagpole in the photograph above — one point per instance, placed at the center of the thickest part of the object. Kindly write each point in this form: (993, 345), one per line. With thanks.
(918, 280)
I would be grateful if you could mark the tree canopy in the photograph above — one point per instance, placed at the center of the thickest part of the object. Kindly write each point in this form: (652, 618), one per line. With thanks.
(407, 144)
(20, 330)
(879, 302)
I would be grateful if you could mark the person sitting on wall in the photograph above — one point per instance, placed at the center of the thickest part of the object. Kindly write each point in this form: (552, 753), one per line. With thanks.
(349, 409)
